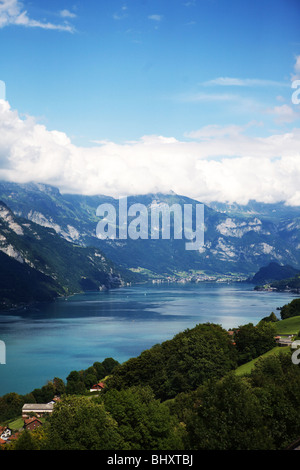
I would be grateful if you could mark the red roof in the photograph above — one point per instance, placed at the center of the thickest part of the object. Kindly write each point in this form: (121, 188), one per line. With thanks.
(31, 420)
(99, 385)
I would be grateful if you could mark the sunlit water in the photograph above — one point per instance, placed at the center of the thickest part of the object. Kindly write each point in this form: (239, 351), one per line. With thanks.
(71, 334)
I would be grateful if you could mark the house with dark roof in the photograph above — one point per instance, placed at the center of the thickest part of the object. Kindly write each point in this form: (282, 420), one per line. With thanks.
(32, 423)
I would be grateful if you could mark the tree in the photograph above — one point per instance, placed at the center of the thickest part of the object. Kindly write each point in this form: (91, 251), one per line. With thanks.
(109, 364)
(144, 422)
(75, 384)
(11, 406)
(290, 310)
(227, 415)
(44, 394)
(79, 423)
(247, 413)
(271, 318)
(180, 364)
(24, 442)
(59, 386)
(100, 370)
(276, 381)
(253, 341)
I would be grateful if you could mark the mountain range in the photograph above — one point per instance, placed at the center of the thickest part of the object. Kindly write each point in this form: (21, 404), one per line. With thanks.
(55, 235)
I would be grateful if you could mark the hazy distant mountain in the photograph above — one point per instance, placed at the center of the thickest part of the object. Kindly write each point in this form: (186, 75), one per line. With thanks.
(272, 211)
(238, 239)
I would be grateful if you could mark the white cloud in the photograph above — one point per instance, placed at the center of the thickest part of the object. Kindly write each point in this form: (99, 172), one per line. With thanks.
(283, 114)
(67, 14)
(215, 163)
(155, 17)
(13, 13)
(198, 97)
(215, 131)
(244, 82)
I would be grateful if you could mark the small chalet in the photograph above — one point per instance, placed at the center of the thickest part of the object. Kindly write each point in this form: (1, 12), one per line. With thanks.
(97, 387)
(32, 423)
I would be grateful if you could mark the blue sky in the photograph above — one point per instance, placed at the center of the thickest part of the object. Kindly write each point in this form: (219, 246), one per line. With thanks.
(186, 70)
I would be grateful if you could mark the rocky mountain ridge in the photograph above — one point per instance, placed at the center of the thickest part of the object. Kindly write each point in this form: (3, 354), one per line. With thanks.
(237, 241)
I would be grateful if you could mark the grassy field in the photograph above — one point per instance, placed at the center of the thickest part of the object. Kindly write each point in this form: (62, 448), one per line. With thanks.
(290, 326)
(16, 424)
(246, 368)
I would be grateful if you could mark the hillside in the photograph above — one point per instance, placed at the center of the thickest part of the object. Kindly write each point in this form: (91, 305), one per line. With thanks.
(287, 285)
(273, 272)
(21, 284)
(37, 264)
(289, 326)
(246, 369)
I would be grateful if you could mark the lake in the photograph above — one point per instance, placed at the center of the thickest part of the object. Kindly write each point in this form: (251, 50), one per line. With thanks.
(53, 339)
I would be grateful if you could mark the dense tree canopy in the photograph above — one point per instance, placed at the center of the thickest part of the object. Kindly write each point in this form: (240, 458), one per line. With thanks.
(256, 412)
(143, 421)
(253, 341)
(180, 364)
(290, 310)
(78, 423)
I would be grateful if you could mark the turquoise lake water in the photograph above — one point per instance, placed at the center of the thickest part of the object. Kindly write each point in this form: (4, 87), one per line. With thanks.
(71, 334)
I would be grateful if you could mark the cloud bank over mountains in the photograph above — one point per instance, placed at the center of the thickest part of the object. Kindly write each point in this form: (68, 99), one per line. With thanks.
(212, 163)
